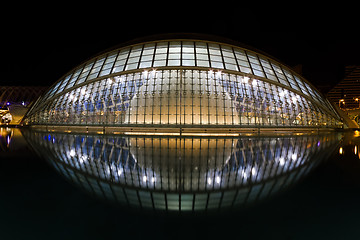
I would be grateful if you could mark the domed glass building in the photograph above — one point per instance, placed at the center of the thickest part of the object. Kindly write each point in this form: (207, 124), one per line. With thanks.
(192, 85)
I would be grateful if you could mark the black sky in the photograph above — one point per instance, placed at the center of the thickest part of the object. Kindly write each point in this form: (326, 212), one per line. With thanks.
(40, 48)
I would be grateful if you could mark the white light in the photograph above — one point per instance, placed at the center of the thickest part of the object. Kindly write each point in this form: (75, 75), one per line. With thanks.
(119, 172)
(282, 94)
(146, 72)
(341, 151)
(153, 72)
(217, 179)
(245, 80)
(72, 153)
(71, 97)
(244, 174)
(294, 157)
(82, 159)
(254, 82)
(211, 72)
(152, 179)
(144, 178)
(294, 99)
(209, 180)
(109, 81)
(218, 74)
(282, 161)
(253, 171)
(83, 91)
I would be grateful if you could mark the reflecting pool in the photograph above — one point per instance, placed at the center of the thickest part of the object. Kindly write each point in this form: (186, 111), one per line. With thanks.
(183, 174)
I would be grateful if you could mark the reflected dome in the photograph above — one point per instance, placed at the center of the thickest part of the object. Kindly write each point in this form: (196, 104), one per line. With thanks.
(186, 174)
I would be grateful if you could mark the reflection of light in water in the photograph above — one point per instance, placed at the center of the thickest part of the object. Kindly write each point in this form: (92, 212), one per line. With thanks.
(7, 134)
(167, 167)
(217, 179)
(282, 161)
(341, 151)
(253, 171)
(72, 153)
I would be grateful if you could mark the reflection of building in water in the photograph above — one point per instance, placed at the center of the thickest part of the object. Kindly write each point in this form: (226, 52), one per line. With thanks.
(12, 143)
(6, 135)
(350, 146)
(182, 174)
(183, 84)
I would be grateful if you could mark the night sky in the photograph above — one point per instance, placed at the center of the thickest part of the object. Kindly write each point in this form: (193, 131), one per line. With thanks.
(40, 48)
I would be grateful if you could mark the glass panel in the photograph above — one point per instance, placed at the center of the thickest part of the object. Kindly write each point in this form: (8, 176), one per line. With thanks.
(202, 63)
(73, 78)
(96, 68)
(121, 60)
(186, 97)
(134, 58)
(201, 48)
(108, 64)
(278, 71)
(188, 62)
(188, 47)
(148, 49)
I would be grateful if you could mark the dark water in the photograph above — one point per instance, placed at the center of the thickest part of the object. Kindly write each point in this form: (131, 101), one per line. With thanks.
(37, 203)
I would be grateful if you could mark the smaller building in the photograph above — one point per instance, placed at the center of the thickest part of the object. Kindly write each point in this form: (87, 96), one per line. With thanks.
(15, 102)
(346, 94)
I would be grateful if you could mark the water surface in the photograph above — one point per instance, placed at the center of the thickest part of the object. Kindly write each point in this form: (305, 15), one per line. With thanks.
(39, 203)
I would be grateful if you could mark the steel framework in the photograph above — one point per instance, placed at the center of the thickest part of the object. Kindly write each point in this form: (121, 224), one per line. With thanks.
(183, 83)
(19, 94)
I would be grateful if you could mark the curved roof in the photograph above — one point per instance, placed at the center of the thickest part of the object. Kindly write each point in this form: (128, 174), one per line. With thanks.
(185, 54)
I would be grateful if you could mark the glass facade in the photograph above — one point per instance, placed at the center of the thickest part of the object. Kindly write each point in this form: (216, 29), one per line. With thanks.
(183, 83)
(182, 173)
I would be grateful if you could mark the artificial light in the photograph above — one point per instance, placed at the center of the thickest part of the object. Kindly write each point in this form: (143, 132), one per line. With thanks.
(245, 80)
(217, 179)
(72, 153)
(341, 151)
